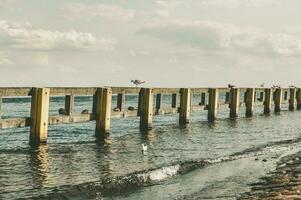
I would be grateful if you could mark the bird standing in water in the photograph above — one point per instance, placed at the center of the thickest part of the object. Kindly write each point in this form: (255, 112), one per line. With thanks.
(144, 148)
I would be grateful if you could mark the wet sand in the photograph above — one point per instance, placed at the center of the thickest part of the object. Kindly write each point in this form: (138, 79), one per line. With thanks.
(283, 183)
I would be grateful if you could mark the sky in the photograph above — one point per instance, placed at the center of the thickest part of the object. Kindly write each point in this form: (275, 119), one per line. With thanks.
(167, 43)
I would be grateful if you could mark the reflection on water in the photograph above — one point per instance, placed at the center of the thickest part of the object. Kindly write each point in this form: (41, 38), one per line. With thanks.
(73, 155)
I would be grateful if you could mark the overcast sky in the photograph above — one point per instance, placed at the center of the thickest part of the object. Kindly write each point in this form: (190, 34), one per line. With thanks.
(168, 43)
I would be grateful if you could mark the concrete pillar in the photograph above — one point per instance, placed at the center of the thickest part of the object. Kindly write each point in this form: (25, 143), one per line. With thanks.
(299, 99)
(227, 100)
(185, 100)
(285, 95)
(140, 102)
(103, 112)
(213, 103)
(261, 97)
(250, 93)
(268, 100)
(158, 103)
(203, 99)
(292, 99)
(255, 96)
(69, 104)
(1, 106)
(121, 101)
(94, 105)
(146, 113)
(278, 99)
(174, 98)
(39, 115)
(234, 104)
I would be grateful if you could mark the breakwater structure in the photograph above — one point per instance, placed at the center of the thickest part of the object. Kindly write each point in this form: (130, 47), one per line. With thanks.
(149, 104)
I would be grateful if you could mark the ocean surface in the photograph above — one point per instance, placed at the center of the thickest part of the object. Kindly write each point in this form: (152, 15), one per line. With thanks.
(200, 161)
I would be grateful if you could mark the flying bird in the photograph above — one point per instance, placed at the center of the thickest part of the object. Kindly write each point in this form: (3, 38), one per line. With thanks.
(137, 82)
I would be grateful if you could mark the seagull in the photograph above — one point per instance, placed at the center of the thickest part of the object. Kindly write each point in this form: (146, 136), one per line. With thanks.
(262, 85)
(137, 82)
(231, 86)
(144, 147)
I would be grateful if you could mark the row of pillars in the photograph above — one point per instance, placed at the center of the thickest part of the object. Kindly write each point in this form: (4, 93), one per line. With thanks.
(102, 101)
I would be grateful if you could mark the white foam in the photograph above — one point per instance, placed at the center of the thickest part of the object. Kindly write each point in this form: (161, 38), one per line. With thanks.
(163, 173)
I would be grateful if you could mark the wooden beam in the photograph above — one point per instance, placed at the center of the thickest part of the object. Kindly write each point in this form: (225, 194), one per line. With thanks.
(39, 115)
(278, 99)
(121, 101)
(299, 99)
(212, 106)
(69, 104)
(174, 99)
(292, 99)
(250, 93)
(184, 111)
(234, 104)
(103, 113)
(159, 97)
(269, 95)
(146, 112)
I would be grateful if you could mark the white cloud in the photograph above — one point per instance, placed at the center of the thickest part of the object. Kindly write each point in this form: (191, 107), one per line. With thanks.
(168, 4)
(162, 13)
(111, 12)
(20, 36)
(237, 3)
(218, 36)
(4, 60)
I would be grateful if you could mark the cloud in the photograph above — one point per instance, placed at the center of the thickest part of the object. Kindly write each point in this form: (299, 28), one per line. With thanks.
(4, 60)
(111, 12)
(20, 36)
(237, 3)
(215, 36)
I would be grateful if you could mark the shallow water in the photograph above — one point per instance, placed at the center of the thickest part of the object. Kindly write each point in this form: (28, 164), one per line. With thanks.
(72, 157)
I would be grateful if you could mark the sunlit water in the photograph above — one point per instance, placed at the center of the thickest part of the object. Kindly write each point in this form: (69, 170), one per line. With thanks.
(72, 158)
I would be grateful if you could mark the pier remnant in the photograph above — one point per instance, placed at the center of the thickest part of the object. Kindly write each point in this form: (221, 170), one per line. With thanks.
(203, 99)
(39, 115)
(174, 99)
(269, 96)
(250, 93)
(278, 99)
(213, 103)
(292, 99)
(159, 103)
(69, 104)
(146, 106)
(299, 99)
(103, 112)
(185, 100)
(234, 102)
(121, 101)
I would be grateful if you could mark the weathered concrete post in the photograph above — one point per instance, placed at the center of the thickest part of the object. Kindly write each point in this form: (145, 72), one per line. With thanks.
(261, 97)
(146, 113)
(285, 95)
(299, 99)
(39, 115)
(103, 112)
(212, 106)
(268, 100)
(0, 107)
(203, 98)
(234, 104)
(69, 104)
(94, 104)
(185, 100)
(227, 100)
(174, 98)
(159, 103)
(250, 93)
(278, 99)
(140, 102)
(292, 99)
(121, 101)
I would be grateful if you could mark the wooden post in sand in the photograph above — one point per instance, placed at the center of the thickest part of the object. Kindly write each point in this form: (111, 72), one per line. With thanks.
(39, 115)
(146, 112)
(234, 104)
(213, 103)
(185, 100)
(103, 112)
(250, 93)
